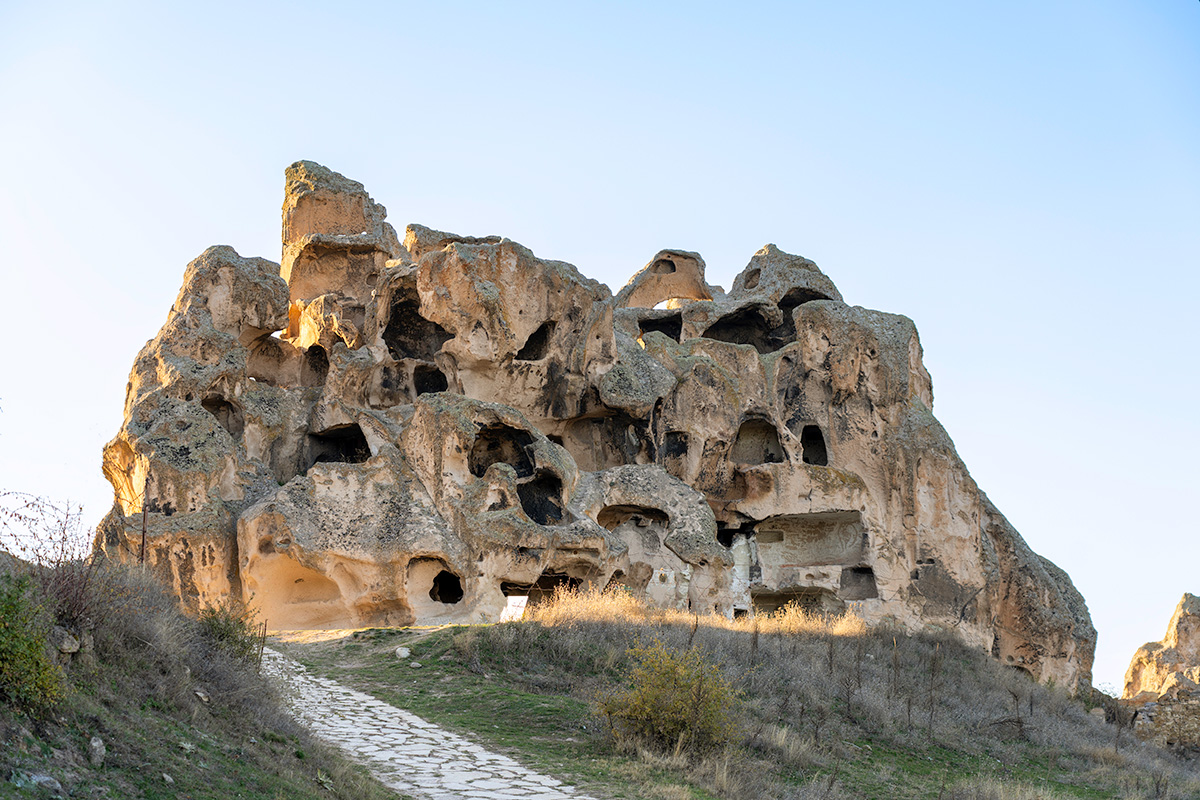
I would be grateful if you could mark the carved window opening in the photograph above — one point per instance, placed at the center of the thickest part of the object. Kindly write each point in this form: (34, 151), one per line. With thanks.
(858, 583)
(727, 533)
(747, 326)
(541, 498)
(543, 588)
(500, 443)
(538, 343)
(410, 335)
(447, 588)
(598, 443)
(428, 379)
(316, 366)
(642, 516)
(229, 416)
(344, 443)
(812, 444)
(811, 600)
(671, 325)
(798, 297)
(757, 442)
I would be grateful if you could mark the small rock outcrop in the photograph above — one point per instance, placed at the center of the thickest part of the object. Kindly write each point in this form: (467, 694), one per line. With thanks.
(1171, 667)
(387, 429)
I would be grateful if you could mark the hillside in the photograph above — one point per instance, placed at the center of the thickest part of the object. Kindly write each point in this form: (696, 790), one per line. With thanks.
(824, 707)
(108, 690)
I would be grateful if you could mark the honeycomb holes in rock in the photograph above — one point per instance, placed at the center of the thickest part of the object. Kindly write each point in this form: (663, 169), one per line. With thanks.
(670, 325)
(428, 379)
(540, 491)
(812, 446)
(757, 442)
(344, 443)
(228, 415)
(501, 443)
(541, 498)
(315, 368)
(537, 344)
(612, 516)
(601, 442)
(410, 335)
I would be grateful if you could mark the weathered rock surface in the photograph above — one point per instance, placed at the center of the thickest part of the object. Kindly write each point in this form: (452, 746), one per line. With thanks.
(388, 430)
(1171, 667)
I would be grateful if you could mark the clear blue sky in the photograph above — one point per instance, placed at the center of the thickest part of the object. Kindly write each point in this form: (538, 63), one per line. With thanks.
(1021, 179)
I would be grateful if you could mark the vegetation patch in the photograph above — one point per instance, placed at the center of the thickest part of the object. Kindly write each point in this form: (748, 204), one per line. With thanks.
(825, 707)
(108, 690)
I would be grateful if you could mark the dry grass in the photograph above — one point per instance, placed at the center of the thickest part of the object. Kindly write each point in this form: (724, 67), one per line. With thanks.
(832, 705)
(159, 688)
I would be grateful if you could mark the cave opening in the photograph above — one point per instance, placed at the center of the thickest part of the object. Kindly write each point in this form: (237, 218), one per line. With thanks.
(797, 297)
(858, 583)
(410, 335)
(538, 343)
(671, 325)
(812, 600)
(343, 443)
(663, 266)
(429, 379)
(541, 498)
(229, 416)
(315, 368)
(612, 516)
(746, 326)
(812, 444)
(757, 442)
(601, 442)
(447, 588)
(544, 588)
(727, 532)
(501, 443)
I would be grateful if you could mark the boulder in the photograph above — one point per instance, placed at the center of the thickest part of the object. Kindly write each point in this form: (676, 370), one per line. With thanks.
(387, 432)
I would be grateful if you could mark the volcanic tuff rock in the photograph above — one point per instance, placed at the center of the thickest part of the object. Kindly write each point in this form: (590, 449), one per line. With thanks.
(388, 430)
(1171, 667)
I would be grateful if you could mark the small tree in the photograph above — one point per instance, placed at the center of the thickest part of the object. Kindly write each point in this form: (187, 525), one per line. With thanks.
(676, 700)
(28, 678)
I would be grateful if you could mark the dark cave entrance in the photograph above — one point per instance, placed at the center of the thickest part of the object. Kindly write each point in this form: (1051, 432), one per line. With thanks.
(344, 443)
(812, 443)
(447, 588)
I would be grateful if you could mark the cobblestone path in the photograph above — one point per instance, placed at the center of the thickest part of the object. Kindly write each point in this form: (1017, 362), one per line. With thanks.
(407, 753)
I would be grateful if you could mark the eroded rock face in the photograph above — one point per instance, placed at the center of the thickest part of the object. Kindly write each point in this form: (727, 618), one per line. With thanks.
(1171, 667)
(446, 421)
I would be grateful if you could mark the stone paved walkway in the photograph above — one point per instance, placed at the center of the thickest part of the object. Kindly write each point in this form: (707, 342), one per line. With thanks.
(407, 753)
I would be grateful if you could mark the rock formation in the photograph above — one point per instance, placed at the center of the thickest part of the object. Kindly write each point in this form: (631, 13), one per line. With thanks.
(1171, 667)
(387, 430)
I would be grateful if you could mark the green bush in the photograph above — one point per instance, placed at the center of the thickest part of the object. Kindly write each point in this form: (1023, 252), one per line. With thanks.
(676, 699)
(233, 627)
(28, 678)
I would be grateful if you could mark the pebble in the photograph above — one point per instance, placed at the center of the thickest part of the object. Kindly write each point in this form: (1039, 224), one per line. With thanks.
(404, 751)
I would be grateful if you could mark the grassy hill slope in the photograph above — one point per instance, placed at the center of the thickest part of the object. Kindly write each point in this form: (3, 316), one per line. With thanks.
(822, 708)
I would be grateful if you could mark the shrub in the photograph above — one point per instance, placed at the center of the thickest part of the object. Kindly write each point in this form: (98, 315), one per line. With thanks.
(676, 698)
(233, 627)
(28, 678)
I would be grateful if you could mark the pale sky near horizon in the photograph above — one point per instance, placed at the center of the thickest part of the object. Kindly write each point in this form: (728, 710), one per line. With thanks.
(1022, 180)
